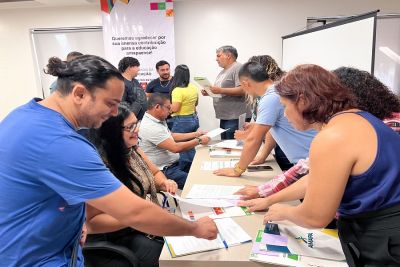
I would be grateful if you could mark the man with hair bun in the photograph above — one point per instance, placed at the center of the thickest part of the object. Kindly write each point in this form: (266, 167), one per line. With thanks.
(48, 172)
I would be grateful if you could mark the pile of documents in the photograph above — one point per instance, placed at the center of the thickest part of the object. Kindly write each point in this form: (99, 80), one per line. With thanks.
(217, 202)
(291, 245)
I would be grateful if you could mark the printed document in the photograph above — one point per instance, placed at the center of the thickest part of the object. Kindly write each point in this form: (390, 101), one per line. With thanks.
(205, 84)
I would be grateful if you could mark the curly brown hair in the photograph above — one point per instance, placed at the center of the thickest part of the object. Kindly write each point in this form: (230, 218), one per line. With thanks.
(270, 65)
(371, 94)
(321, 90)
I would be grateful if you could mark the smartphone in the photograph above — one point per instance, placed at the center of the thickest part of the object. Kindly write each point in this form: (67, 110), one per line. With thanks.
(258, 168)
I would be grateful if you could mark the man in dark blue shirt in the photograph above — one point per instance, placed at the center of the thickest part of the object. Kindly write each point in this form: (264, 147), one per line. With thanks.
(163, 83)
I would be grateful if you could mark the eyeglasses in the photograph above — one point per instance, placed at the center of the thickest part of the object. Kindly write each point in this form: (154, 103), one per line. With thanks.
(131, 127)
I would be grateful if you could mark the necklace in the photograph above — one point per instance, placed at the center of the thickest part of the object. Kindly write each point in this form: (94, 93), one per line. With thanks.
(163, 86)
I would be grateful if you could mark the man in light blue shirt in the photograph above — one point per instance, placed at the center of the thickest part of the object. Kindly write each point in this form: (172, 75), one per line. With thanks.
(295, 144)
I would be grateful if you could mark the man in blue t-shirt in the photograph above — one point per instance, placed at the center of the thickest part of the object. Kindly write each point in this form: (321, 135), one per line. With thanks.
(48, 172)
(270, 119)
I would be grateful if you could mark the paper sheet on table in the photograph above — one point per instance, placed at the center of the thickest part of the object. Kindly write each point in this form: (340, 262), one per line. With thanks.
(193, 213)
(208, 202)
(205, 84)
(232, 233)
(225, 153)
(215, 132)
(232, 144)
(214, 191)
(216, 165)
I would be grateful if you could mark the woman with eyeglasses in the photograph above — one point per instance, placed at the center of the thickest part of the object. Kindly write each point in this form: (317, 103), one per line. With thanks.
(116, 141)
(184, 99)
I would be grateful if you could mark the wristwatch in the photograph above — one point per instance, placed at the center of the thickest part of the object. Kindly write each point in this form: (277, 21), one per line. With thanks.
(199, 139)
(238, 170)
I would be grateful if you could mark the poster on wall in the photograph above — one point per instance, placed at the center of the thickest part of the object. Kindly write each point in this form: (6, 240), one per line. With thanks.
(143, 29)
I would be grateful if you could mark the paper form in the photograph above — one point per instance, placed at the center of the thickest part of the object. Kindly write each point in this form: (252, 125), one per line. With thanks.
(193, 212)
(214, 191)
(242, 121)
(215, 132)
(232, 233)
(216, 165)
(208, 202)
(232, 144)
(205, 84)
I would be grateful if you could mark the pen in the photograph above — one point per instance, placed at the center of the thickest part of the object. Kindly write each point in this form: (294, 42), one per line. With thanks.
(223, 241)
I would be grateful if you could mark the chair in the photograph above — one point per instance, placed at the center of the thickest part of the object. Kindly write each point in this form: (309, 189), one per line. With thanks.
(91, 248)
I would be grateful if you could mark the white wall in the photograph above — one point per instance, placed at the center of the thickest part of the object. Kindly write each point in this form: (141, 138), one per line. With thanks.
(201, 26)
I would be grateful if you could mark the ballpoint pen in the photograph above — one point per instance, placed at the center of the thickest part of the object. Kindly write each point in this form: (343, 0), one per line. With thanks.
(223, 241)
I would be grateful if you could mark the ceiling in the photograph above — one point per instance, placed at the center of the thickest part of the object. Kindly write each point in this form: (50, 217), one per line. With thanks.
(12, 4)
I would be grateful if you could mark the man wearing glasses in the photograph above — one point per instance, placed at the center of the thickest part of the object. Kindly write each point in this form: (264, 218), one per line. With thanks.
(162, 146)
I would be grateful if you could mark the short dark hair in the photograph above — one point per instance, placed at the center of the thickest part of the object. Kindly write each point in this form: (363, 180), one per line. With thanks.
(127, 62)
(228, 49)
(371, 94)
(161, 63)
(321, 90)
(254, 71)
(181, 77)
(156, 99)
(91, 71)
(270, 65)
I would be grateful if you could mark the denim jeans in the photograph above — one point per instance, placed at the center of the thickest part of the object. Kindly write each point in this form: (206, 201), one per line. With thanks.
(185, 124)
(174, 172)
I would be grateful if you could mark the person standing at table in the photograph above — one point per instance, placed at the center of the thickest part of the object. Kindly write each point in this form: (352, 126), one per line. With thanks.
(232, 104)
(134, 95)
(184, 99)
(48, 171)
(354, 168)
(162, 84)
(295, 144)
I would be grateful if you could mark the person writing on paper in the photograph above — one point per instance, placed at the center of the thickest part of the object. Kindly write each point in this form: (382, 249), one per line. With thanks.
(232, 104)
(354, 167)
(371, 96)
(116, 140)
(295, 144)
(48, 171)
(162, 146)
(275, 73)
(184, 97)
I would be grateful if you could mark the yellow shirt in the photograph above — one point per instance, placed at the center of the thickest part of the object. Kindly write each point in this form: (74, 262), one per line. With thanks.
(187, 96)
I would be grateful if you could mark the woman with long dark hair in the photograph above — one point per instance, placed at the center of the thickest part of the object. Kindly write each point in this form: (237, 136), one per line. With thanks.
(184, 99)
(116, 141)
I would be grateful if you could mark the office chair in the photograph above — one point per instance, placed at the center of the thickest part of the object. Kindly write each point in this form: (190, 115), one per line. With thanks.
(92, 248)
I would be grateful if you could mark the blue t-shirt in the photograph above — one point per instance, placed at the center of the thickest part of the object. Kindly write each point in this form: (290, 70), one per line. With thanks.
(47, 172)
(379, 187)
(295, 144)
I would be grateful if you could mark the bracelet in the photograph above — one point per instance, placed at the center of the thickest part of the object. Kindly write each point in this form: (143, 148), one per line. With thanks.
(238, 170)
(199, 139)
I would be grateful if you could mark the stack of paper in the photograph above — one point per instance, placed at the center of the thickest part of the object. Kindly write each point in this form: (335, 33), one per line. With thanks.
(225, 153)
(229, 231)
(232, 144)
(202, 191)
(296, 247)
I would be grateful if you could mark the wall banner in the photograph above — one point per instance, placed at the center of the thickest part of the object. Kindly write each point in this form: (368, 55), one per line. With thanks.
(143, 29)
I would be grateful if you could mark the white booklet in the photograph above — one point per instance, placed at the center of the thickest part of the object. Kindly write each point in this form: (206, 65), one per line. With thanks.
(230, 234)
(205, 84)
